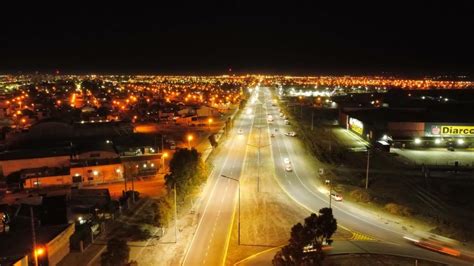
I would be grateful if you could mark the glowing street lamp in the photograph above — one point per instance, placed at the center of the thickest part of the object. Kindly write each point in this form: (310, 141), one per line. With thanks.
(209, 121)
(190, 138)
(163, 157)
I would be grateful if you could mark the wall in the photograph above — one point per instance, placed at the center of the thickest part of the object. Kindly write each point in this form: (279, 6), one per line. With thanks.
(58, 247)
(48, 181)
(406, 129)
(101, 155)
(11, 166)
(105, 173)
(22, 262)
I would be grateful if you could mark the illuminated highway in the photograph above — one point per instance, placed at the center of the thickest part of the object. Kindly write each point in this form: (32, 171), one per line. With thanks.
(212, 236)
(210, 242)
(302, 185)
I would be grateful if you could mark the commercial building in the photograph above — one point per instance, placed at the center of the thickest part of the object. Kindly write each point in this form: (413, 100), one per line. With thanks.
(411, 127)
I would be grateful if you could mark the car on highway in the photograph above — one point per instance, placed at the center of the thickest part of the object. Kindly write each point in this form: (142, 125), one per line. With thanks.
(336, 197)
(240, 131)
(290, 134)
(272, 135)
(276, 129)
(435, 243)
(287, 122)
(288, 168)
(287, 161)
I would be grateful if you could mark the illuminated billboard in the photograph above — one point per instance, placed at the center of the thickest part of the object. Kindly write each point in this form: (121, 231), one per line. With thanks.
(449, 130)
(356, 125)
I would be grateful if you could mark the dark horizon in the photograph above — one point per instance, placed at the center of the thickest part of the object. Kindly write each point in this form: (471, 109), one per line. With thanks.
(294, 39)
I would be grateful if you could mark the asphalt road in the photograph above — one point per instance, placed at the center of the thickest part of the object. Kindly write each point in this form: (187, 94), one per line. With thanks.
(303, 186)
(212, 236)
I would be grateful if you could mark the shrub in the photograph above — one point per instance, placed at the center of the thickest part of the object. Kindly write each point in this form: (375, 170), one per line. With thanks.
(398, 209)
(361, 195)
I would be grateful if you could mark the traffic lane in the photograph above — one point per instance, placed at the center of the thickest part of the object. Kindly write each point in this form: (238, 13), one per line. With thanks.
(304, 193)
(369, 224)
(344, 247)
(202, 242)
(220, 161)
(313, 199)
(209, 240)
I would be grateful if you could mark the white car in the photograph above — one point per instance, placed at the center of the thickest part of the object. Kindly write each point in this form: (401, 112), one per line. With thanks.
(287, 122)
(286, 161)
(336, 197)
(288, 168)
(290, 134)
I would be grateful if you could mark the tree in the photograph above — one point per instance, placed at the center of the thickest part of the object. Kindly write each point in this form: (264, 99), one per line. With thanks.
(117, 253)
(305, 246)
(186, 172)
(164, 213)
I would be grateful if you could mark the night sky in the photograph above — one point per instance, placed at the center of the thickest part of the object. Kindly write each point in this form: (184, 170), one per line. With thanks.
(271, 37)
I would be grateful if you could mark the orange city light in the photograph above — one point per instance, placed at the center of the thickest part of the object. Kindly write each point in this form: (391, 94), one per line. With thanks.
(39, 252)
(190, 137)
(165, 155)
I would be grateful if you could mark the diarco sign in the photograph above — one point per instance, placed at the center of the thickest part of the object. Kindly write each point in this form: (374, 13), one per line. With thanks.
(356, 125)
(448, 130)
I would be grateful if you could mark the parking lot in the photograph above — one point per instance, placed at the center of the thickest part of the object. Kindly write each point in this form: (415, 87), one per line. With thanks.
(436, 156)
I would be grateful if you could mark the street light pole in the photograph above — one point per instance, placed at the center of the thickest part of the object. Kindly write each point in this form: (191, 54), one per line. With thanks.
(163, 157)
(162, 143)
(312, 119)
(328, 182)
(176, 216)
(330, 198)
(33, 235)
(238, 224)
(367, 170)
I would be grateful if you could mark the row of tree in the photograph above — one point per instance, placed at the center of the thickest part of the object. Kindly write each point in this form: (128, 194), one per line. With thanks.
(307, 240)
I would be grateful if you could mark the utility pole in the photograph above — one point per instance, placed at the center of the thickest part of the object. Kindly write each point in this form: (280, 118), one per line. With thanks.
(259, 146)
(33, 236)
(125, 175)
(162, 143)
(328, 182)
(133, 185)
(176, 216)
(312, 119)
(367, 171)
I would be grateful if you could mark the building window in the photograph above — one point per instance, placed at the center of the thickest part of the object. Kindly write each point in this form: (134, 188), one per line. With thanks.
(77, 179)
